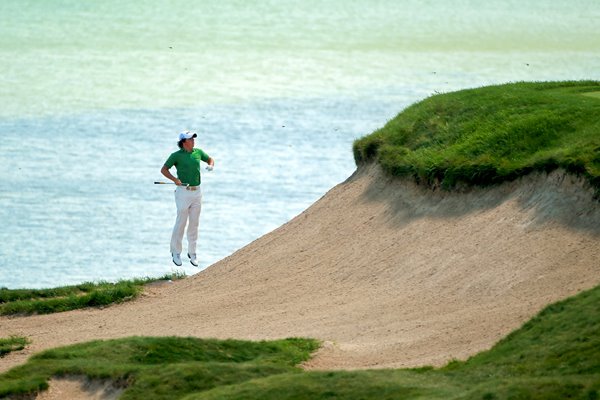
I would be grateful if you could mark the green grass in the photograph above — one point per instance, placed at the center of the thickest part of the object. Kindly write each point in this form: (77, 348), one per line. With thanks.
(12, 343)
(161, 368)
(491, 134)
(89, 294)
(556, 355)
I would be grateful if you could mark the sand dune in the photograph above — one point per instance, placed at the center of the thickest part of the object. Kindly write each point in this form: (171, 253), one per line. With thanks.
(385, 272)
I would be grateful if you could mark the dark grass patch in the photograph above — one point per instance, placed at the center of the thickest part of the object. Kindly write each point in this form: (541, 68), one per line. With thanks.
(12, 343)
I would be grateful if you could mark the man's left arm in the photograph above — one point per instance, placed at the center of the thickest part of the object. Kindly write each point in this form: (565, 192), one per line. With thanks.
(207, 159)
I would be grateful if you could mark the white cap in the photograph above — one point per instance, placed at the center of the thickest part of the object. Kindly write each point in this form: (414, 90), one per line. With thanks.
(187, 135)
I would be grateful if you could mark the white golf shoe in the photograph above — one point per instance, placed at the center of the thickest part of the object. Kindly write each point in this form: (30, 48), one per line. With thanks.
(193, 259)
(176, 259)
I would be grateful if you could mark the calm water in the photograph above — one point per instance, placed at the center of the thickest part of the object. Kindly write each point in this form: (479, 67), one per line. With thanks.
(93, 95)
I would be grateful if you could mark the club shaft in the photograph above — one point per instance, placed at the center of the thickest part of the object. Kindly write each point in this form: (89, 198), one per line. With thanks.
(168, 183)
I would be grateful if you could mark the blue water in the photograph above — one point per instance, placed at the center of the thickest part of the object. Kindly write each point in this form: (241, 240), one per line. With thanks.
(93, 95)
(80, 203)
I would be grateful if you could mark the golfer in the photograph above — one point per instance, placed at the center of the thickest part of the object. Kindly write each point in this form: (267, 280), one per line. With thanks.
(188, 196)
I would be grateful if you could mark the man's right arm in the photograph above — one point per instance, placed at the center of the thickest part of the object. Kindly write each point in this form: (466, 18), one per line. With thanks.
(167, 174)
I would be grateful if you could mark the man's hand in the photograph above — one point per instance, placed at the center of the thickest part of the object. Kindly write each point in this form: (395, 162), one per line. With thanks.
(177, 182)
(211, 164)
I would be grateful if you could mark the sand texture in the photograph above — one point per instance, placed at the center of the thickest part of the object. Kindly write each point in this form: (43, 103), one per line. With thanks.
(385, 272)
(79, 388)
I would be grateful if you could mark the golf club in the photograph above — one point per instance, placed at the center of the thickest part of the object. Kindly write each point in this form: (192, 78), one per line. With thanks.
(169, 183)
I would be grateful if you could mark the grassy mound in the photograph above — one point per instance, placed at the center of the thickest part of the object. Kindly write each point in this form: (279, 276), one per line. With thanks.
(65, 298)
(556, 355)
(160, 368)
(492, 134)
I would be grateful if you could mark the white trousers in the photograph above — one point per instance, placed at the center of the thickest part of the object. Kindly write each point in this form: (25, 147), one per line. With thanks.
(189, 205)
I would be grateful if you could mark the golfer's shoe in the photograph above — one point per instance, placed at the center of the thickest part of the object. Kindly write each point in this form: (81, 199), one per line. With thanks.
(176, 259)
(193, 259)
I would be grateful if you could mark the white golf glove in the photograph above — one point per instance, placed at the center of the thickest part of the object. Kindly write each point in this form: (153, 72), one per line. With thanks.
(209, 167)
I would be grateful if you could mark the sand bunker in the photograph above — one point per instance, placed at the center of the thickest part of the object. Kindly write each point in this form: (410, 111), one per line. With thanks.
(385, 272)
(79, 388)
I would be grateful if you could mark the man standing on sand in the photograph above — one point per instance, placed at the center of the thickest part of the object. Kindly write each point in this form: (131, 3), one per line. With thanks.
(188, 196)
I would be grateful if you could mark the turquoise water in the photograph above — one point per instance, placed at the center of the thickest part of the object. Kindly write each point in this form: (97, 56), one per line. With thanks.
(94, 93)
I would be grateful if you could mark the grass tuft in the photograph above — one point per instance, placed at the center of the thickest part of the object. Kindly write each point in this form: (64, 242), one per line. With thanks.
(12, 343)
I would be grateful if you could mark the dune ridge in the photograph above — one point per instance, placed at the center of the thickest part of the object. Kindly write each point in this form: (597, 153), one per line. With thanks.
(385, 272)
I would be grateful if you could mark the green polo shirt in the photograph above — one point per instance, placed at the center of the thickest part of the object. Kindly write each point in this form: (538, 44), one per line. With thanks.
(188, 165)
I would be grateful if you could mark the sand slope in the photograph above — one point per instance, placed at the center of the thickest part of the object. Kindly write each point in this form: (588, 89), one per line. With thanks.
(386, 273)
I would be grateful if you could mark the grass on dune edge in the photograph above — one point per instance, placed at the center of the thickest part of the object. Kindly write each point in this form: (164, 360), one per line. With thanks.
(65, 298)
(555, 355)
(492, 134)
